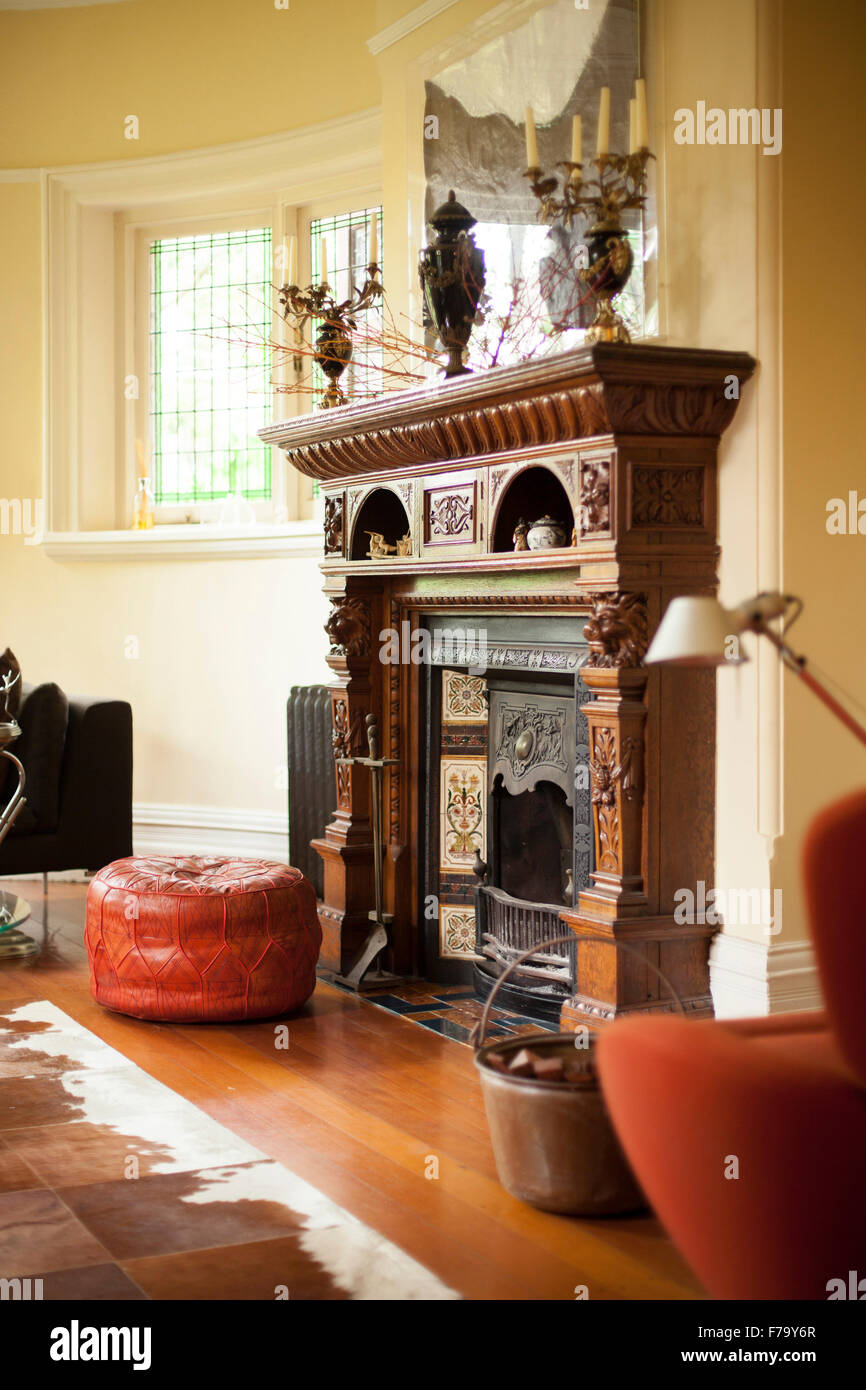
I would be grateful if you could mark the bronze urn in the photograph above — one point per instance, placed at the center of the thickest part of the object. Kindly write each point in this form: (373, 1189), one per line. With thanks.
(333, 354)
(452, 278)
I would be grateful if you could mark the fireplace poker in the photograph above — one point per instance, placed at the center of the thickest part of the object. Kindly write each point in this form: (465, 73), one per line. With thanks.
(361, 976)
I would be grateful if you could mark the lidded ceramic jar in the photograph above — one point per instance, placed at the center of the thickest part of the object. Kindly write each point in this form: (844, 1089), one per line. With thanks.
(545, 534)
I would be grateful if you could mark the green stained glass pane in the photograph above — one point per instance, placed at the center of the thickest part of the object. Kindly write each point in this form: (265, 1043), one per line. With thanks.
(210, 369)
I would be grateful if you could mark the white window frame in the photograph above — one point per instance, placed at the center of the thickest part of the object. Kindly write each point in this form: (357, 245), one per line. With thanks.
(140, 230)
(96, 220)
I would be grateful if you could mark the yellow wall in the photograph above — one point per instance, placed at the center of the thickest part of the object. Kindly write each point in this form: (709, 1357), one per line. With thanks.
(195, 72)
(823, 299)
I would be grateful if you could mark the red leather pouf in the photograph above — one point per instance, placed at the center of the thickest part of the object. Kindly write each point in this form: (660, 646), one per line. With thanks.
(201, 940)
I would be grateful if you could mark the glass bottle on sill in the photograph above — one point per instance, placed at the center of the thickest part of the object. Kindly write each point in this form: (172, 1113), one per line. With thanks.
(142, 508)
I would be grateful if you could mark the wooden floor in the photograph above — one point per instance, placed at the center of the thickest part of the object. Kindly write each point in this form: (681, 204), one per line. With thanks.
(359, 1105)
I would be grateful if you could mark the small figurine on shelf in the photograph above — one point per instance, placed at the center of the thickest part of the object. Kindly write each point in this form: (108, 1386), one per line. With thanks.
(380, 549)
(10, 678)
(404, 544)
(520, 530)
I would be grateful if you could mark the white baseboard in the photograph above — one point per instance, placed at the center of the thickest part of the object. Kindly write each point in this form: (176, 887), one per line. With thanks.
(172, 830)
(62, 876)
(751, 978)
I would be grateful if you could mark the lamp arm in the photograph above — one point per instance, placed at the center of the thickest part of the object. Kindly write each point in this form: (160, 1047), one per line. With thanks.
(798, 665)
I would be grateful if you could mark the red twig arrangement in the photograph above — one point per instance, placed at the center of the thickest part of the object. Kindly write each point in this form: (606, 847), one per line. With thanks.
(535, 314)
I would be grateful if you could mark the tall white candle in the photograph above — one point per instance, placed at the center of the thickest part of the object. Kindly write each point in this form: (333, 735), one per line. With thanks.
(531, 141)
(642, 122)
(577, 140)
(602, 147)
(373, 258)
(323, 262)
(632, 126)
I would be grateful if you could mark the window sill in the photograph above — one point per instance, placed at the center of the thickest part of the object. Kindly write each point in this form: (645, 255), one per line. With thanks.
(290, 540)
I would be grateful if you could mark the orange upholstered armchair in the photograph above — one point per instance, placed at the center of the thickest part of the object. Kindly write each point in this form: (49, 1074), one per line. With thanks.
(749, 1136)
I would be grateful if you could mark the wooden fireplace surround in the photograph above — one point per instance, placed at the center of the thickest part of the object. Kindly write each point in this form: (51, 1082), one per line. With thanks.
(632, 434)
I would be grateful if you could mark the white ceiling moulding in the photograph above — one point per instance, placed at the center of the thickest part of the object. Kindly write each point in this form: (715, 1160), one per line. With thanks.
(292, 161)
(20, 175)
(422, 14)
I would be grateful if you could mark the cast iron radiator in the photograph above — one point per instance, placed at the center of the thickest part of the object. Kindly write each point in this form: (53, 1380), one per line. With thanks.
(312, 790)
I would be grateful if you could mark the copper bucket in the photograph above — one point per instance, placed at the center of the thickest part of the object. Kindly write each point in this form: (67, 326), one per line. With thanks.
(553, 1141)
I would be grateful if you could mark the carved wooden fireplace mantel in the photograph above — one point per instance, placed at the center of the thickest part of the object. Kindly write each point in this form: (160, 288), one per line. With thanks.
(619, 444)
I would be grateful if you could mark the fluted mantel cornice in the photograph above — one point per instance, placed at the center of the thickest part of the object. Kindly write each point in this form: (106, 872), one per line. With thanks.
(614, 390)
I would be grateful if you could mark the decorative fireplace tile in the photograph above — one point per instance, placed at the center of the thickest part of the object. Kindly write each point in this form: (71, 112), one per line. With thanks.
(463, 699)
(462, 829)
(456, 886)
(462, 810)
(457, 933)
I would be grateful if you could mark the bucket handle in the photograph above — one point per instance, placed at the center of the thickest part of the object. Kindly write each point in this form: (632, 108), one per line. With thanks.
(477, 1035)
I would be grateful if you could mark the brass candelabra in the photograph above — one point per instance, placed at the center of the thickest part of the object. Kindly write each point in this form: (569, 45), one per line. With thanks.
(334, 347)
(619, 185)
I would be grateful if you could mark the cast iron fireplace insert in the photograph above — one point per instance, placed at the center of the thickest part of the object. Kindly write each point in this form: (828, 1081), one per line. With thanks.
(506, 804)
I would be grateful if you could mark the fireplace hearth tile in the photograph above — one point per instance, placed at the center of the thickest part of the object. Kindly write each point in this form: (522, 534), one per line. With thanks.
(395, 1005)
(453, 1011)
(448, 1028)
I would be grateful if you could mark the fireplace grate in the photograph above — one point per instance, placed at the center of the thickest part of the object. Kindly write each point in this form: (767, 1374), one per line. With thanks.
(507, 926)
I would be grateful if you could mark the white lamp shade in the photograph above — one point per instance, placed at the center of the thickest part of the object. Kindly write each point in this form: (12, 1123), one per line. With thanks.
(696, 632)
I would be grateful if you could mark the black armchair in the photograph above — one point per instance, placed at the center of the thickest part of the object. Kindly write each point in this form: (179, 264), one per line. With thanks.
(79, 784)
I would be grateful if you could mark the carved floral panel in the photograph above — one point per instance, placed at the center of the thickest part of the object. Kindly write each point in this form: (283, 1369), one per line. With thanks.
(449, 515)
(611, 769)
(667, 496)
(347, 740)
(334, 525)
